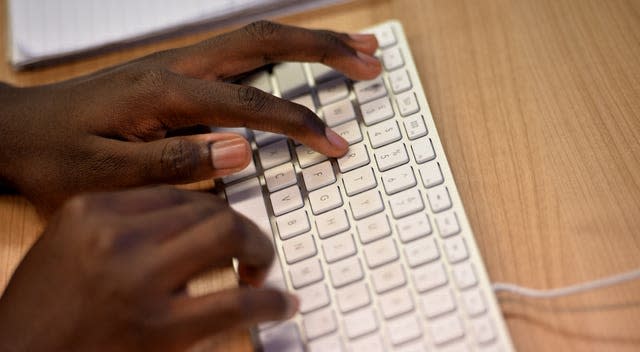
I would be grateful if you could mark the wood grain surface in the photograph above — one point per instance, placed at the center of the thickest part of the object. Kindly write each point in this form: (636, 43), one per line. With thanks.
(538, 106)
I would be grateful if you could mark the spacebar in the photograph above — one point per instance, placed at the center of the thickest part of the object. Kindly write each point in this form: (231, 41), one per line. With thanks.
(246, 198)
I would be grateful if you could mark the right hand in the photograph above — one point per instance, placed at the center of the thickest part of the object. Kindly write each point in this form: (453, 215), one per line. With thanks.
(109, 274)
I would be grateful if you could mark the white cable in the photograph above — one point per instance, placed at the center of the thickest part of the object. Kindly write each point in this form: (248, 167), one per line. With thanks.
(567, 290)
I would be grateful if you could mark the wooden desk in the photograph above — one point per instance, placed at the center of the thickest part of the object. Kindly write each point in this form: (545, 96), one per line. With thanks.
(538, 106)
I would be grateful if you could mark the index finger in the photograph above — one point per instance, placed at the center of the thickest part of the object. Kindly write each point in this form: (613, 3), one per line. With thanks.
(264, 42)
(212, 243)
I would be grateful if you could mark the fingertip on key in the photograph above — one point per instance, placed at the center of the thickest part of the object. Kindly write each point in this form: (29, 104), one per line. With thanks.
(336, 140)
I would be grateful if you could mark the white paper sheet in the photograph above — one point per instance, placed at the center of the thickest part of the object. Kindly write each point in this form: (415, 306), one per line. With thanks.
(48, 29)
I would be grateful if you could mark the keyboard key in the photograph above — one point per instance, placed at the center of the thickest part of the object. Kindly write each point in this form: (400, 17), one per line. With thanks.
(388, 277)
(350, 131)
(338, 247)
(306, 101)
(428, 277)
(353, 297)
(473, 302)
(376, 111)
(305, 273)
(313, 297)
(328, 343)
(384, 133)
(464, 275)
(345, 272)
(446, 329)
(325, 199)
(299, 248)
(339, 113)
(438, 302)
(391, 156)
(415, 127)
(431, 174)
(404, 329)
(308, 156)
(406, 203)
(380, 252)
(318, 176)
(286, 200)
(332, 91)
(280, 177)
(293, 224)
(455, 249)
(366, 204)
(398, 179)
(421, 251)
(260, 80)
(359, 180)
(360, 322)
(407, 103)
(370, 343)
(322, 73)
(250, 170)
(356, 156)
(417, 346)
(367, 91)
(263, 138)
(448, 224)
(319, 323)
(385, 36)
(246, 198)
(423, 150)
(274, 154)
(395, 303)
(283, 337)
(483, 330)
(413, 226)
(439, 199)
(399, 81)
(291, 79)
(373, 228)
(331, 223)
(392, 59)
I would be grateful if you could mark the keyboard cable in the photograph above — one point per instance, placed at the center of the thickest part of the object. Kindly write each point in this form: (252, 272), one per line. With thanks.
(567, 290)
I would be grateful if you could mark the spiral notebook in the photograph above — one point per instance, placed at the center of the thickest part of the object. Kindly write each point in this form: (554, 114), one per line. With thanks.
(46, 31)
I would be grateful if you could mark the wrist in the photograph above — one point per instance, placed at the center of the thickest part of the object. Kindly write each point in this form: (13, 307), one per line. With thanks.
(11, 119)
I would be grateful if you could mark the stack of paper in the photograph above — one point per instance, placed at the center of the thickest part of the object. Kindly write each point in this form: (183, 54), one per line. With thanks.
(52, 29)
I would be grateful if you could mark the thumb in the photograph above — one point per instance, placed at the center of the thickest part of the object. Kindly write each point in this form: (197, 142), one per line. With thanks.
(188, 159)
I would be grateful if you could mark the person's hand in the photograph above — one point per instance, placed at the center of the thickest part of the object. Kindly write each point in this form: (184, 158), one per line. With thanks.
(108, 130)
(110, 270)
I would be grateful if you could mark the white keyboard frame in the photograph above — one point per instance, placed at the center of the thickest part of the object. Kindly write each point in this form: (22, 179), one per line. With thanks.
(466, 231)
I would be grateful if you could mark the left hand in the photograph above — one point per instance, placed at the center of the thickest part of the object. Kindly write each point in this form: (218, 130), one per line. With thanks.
(107, 131)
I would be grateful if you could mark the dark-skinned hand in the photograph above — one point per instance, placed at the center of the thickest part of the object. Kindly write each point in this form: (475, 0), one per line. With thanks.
(110, 270)
(108, 130)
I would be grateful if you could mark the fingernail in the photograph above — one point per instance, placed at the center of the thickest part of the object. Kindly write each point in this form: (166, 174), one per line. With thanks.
(359, 37)
(368, 59)
(293, 304)
(230, 153)
(335, 139)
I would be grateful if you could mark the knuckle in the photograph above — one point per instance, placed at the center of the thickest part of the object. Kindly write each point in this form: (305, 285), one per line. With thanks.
(262, 30)
(77, 207)
(305, 121)
(252, 98)
(151, 80)
(179, 159)
(332, 46)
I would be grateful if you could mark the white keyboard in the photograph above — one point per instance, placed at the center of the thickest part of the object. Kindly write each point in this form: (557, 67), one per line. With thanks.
(376, 244)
